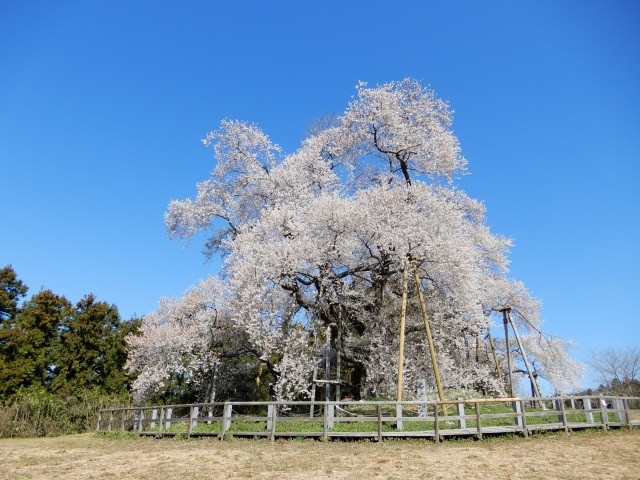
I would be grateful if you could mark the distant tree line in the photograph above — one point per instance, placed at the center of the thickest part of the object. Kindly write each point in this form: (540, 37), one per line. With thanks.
(56, 354)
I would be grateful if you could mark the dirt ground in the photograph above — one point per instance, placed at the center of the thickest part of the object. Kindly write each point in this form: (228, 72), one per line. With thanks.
(589, 455)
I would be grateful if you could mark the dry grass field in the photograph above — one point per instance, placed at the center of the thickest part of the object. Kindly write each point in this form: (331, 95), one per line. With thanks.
(589, 455)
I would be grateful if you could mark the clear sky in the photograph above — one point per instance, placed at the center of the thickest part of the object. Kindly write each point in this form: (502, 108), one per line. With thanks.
(103, 105)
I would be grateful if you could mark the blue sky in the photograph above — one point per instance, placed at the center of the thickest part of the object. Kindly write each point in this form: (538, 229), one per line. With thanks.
(103, 105)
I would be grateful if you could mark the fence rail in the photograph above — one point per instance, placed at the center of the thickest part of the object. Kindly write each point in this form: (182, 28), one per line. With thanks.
(375, 419)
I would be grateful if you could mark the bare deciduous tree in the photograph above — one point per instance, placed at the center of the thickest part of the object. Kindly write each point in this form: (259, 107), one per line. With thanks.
(617, 368)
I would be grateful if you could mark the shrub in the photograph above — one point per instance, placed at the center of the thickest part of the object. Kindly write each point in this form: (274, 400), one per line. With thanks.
(34, 412)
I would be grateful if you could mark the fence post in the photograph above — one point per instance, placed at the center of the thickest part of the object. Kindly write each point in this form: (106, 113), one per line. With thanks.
(399, 424)
(154, 416)
(588, 414)
(99, 420)
(604, 418)
(228, 412)
(523, 418)
(195, 412)
(169, 413)
(332, 411)
(627, 415)
(436, 422)
(478, 420)
(161, 421)
(136, 420)
(619, 406)
(226, 419)
(517, 408)
(563, 416)
(422, 395)
(141, 422)
(110, 420)
(325, 421)
(463, 421)
(379, 413)
(269, 416)
(272, 418)
(190, 425)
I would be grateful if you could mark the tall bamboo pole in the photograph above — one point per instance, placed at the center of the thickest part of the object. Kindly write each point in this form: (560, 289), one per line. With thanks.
(427, 330)
(403, 318)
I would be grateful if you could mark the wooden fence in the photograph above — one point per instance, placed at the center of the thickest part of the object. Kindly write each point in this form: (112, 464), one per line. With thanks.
(374, 419)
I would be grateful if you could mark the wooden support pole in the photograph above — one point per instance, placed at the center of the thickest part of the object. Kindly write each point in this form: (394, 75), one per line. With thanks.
(604, 417)
(495, 357)
(141, 422)
(161, 422)
(325, 421)
(517, 409)
(99, 420)
(339, 357)
(190, 427)
(563, 414)
(478, 422)
(618, 405)
(314, 377)
(506, 341)
(154, 416)
(534, 384)
(461, 414)
(586, 405)
(627, 414)
(169, 414)
(271, 422)
(331, 415)
(195, 413)
(427, 330)
(327, 366)
(523, 424)
(403, 318)
(226, 419)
